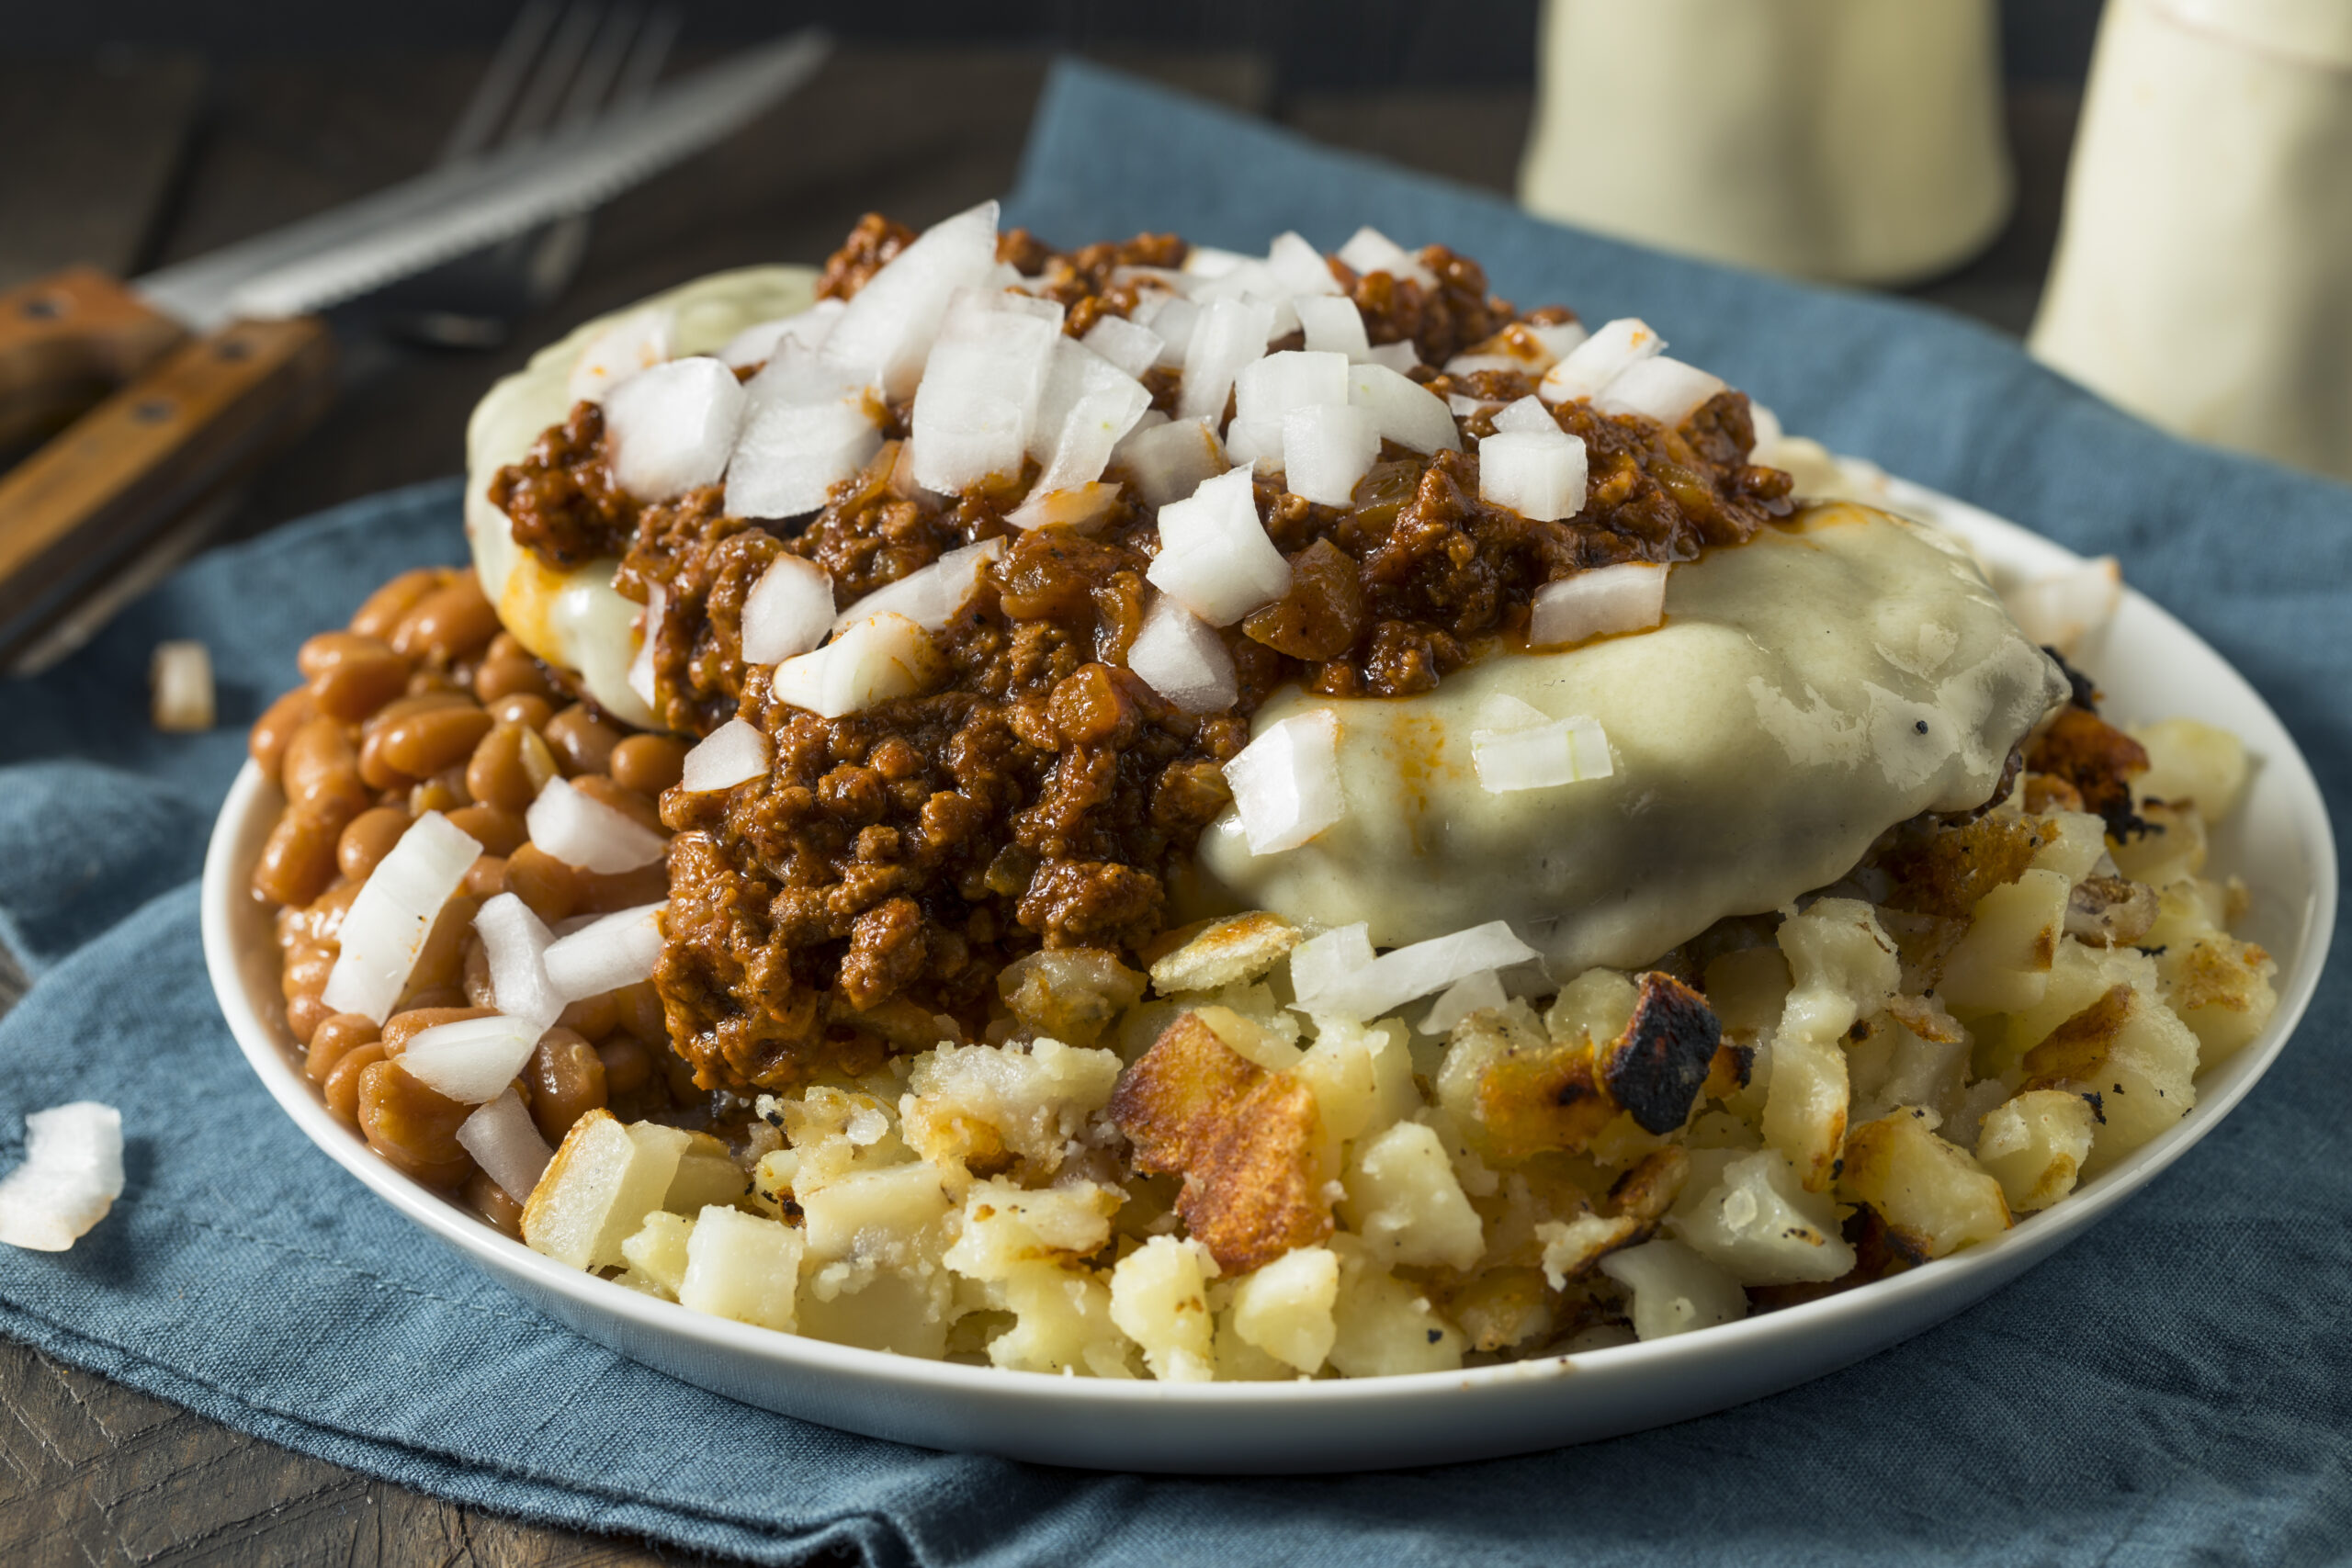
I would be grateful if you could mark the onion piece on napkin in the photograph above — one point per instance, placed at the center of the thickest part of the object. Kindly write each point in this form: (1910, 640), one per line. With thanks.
(72, 1175)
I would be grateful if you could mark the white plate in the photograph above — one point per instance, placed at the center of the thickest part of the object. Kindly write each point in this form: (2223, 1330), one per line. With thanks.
(2149, 664)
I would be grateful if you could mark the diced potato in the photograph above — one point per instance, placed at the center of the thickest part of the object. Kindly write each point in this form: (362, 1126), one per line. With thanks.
(1238, 1360)
(2034, 1145)
(1749, 988)
(878, 1215)
(2079, 977)
(1573, 1247)
(706, 1174)
(2002, 964)
(2133, 1057)
(2221, 987)
(1069, 993)
(979, 1105)
(906, 1308)
(1760, 1226)
(2187, 908)
(1253, 1039)
(1891, 1065)
(1504, 1309)
(1595, 1007)
(1382, 1325)
(2076, 840)
(1931, 1194)
(1006, 1226)
(1404, 1202)
(742, 1266)
(1223, 952)
(1674, 1289)
(597, 1190)
(658, 1250)
(2172, 847)
(1363, 1078)
(1062, 1324)
(1843, 966)
(1284, 1309)
(2190, 761)
(1804, 1108)
(836, 1131)
(1159, 1300)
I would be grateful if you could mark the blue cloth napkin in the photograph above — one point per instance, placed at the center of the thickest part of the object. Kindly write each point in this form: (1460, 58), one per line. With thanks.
(2172, 1386)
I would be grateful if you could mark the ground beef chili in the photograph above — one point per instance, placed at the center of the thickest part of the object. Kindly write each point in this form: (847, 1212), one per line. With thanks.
(865, 896)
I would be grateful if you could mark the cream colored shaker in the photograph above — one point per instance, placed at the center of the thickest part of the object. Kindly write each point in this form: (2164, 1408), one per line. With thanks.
(1859, 141)
(2204, 270)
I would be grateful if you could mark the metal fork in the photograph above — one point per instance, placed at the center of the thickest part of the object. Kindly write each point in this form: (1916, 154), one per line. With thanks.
(560, 65)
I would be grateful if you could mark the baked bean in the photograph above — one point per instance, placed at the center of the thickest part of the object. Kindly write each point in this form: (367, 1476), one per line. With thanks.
(403, 1027)
(368, 839)
(622, 889)
(413, 1127)
(299, 858)
(386, 606)
(340, 1087)
(515, 674)
(550, 887)
(591, 1017)
(318, 923)
(498, 832)
(627, 802)
(337, 1036)
(421, 744)
(523, 708)
(506, 645)
(509, 767)
(626, 1066)
(437, 793)
(373, 765)
(351, 676)
(433, 996)
(303, 1016)
(486, 878)
(305, 971)
(640, 1012)
(581, 742)
(567, 1081)
(321, 774)
(649, 764)
(434, 682)
(451, 623)
(441, 962)
(489, 1199)
(268, 739)
(680, 1073)
(478, 990)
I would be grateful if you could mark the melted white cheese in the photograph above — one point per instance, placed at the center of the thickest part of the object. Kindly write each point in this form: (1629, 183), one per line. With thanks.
(1806, 690)
(573, 619)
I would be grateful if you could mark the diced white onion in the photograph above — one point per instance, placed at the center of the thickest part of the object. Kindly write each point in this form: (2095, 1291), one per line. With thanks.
(1181, 657)
(2062, 609)
(1407, 973)
(582, 831)
(1168, 461)
(1269, 388)
(505, 1143)
(929, 596)
(1327, 451)
(1090, 430)
(1173, 319)
(1599, 359)
(1074, 373)
(1322, 962)
(1286, 782)
(1215, 557)
(180, 691)
(1459, 1000)
(1628, 597)
(1132, 347)
(1541, 756)
(1300, 266)
(72, 1175)
(1333, 325)
(1369, 250)
(886, 332)
(636, 341)
(1530, 350)
(640, 664)
(1538, 474)
(1228, 334)
(878, 658)
(790, 456)
(1527, 413)
(1070, 508)
(976, 405)
(1665, 389)
(607, 954)
(729, 755)
(1406, 412)
(1464, 406)
(1208, 261)
(515, 941)
(758, 343)
(387, 924)
(1400, 357)
(788, 610)
(672, 426)
(472, 1060)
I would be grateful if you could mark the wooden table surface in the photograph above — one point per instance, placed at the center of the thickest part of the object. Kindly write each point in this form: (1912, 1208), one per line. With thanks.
(147, 161)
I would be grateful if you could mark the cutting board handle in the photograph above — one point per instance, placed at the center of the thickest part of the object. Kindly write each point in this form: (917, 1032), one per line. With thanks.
(201, 419)
(68, 339)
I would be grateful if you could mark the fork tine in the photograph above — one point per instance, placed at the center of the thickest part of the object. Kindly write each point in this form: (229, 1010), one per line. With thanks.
(604, 64)
(555, 72)
(494, 93)
(652, 52)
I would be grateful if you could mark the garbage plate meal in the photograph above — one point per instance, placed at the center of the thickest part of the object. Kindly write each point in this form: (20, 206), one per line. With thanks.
(1149, 812)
